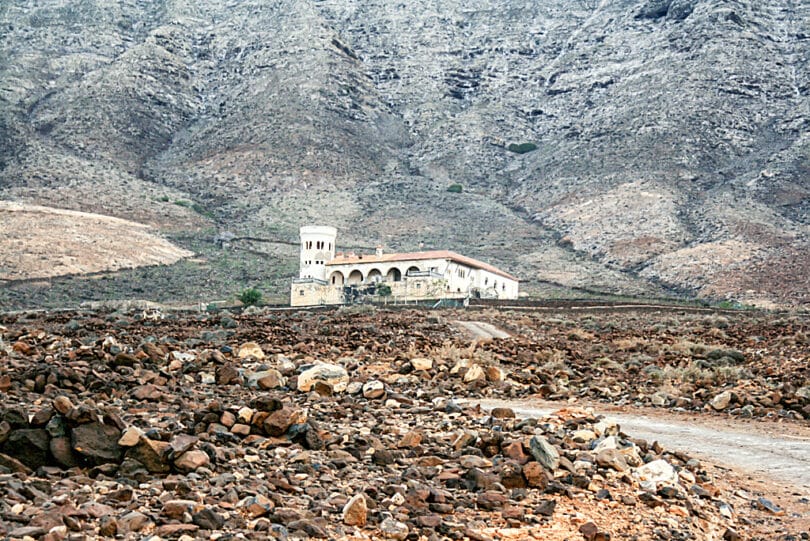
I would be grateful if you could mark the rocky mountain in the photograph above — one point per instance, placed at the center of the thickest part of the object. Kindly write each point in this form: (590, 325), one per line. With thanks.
(631, 146)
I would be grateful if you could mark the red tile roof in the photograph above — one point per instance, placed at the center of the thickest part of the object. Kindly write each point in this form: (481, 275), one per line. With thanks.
(418, 256)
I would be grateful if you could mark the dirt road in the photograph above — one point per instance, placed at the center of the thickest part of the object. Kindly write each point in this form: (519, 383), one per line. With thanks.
(479, 329)
(759, 448)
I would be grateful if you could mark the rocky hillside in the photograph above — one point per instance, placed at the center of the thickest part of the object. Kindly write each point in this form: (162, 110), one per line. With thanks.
(632, 146)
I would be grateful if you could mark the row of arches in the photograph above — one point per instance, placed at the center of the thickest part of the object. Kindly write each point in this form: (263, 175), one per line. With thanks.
(356, 276)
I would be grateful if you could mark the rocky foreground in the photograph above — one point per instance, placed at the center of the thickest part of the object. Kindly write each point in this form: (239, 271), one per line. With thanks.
(350, 424)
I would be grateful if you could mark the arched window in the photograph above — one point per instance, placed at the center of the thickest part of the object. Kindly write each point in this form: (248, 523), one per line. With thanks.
(374, 275)
(412, 270)
(394, 275)
(337, 278)
(355, 277)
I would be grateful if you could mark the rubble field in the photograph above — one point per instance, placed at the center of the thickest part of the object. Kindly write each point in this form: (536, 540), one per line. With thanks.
(353, 424)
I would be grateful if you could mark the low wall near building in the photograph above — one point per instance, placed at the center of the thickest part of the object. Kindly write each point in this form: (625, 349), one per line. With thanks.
(418, 288)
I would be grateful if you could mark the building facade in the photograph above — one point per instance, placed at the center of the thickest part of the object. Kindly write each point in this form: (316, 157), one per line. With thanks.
(330, 277)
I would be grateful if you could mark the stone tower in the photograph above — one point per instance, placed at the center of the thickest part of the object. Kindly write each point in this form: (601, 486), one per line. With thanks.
(317, 249)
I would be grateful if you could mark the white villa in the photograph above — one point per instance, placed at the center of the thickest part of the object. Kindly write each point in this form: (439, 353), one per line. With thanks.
(327, 277)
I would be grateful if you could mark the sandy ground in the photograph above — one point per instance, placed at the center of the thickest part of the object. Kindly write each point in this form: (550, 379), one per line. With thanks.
(43, 242)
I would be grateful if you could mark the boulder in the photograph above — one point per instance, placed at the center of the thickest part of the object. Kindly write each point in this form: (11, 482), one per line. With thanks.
(151, 454)
(277, 423)
(474, 373)
(30, 446)
(544, 453)
(355, 512)
(374, 389)
(331, 374)
(393, 529)
(422, 364)
(250, 349)
(265, 379)
(192, 460)
(535, 475)
(721, 401)
(97, 442)
(655, 473)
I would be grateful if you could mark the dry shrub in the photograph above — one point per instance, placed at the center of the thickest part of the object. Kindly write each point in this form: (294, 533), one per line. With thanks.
(686, 347)
(630, 344)
(446, 352)
(797, 339)
(580, 335)
(717, 322)
(717, 334)
(695, 373)
(608, 364)
(553, 361)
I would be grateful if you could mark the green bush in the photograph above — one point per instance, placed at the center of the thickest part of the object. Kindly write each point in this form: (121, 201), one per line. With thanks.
(250, 296)
(455, 188)
(521, 148)
(384, 290)
(199, 209)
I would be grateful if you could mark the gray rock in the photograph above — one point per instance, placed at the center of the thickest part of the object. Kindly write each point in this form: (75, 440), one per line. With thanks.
(393, 529)
(544, 453)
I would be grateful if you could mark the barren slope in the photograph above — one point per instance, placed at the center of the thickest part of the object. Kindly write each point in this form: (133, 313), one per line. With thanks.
(672, 135)
(41, 242)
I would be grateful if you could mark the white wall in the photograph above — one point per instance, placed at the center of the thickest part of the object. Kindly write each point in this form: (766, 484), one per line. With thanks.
(449, 270)
(317, 244)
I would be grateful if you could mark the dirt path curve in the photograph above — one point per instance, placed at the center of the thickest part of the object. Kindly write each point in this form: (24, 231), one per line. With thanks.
(756, 448)
(479, 329)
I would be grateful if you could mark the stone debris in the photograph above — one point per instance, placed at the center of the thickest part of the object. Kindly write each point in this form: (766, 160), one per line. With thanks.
(315, 456)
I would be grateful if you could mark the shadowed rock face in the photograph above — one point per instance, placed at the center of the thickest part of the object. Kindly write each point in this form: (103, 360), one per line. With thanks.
(672, 136)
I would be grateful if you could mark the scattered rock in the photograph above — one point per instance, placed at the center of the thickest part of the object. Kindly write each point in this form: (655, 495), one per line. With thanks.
(721, 401)
(422, 364)
(393, 529)
(97, 442)
(250, 349)
(355, 511)
(208, 519)
(331, 374)
(374, 389)
(191, 460)
(544, 453)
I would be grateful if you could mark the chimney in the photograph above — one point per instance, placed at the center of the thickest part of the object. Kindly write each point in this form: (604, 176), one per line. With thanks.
(379, 251)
